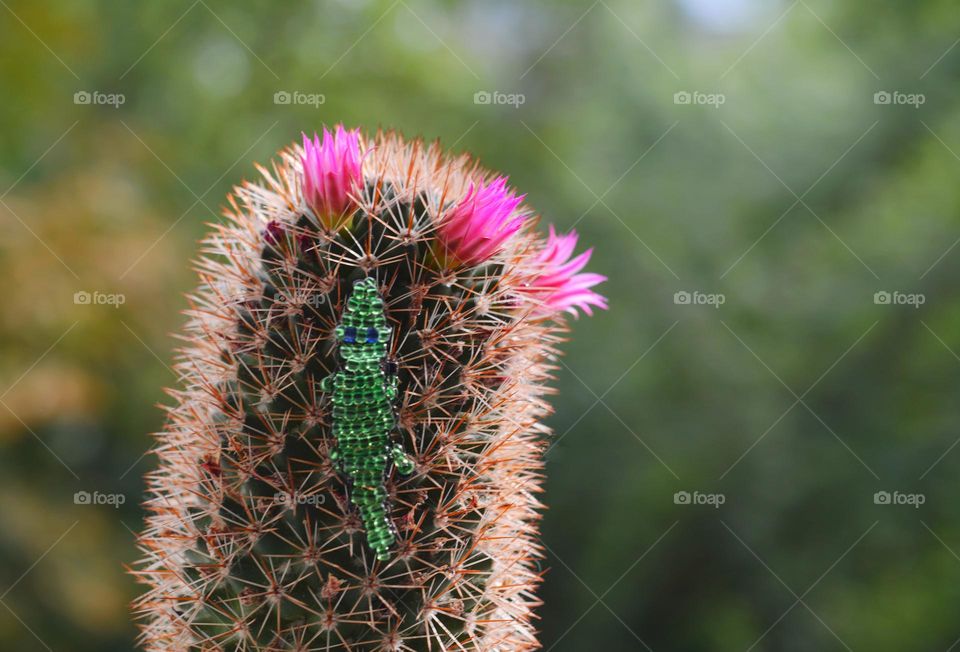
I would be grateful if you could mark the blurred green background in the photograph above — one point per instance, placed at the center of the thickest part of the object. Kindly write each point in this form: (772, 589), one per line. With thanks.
(780, 163)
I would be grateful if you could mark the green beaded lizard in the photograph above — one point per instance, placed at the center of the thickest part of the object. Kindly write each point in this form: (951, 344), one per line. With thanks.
(362, 395)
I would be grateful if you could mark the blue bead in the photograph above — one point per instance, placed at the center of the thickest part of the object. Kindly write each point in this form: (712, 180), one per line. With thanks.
(350, 335)
(371, 335)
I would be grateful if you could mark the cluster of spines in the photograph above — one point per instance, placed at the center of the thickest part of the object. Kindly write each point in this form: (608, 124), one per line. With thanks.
(252, 542)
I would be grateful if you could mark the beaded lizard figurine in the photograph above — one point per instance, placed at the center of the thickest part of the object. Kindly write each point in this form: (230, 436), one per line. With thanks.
(363, 418)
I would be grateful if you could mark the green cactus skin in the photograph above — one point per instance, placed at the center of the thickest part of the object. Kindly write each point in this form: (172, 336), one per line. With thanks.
(362, 395)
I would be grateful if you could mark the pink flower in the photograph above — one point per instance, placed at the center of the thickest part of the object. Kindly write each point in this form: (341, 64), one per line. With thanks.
(331, 171)
(476, 228)
(557, 285)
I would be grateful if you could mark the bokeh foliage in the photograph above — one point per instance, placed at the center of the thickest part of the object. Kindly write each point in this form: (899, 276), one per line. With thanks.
(797, 199)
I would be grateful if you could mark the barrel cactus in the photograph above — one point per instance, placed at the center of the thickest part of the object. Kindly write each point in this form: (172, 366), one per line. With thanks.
(353, 456)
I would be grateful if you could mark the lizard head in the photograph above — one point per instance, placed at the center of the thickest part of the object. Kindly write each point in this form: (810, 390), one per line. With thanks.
(363, 333)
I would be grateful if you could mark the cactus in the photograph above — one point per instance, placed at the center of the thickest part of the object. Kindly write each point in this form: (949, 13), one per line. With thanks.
(314, 492)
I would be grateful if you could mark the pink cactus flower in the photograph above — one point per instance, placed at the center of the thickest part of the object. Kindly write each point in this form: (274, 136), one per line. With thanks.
(331, 172)
(557, 285)
(476, 228)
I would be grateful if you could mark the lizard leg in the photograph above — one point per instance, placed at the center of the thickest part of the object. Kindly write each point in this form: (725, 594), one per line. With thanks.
(404, 463)
(327, 386)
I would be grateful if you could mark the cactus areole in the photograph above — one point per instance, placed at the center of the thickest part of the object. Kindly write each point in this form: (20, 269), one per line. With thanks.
(353, 456)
